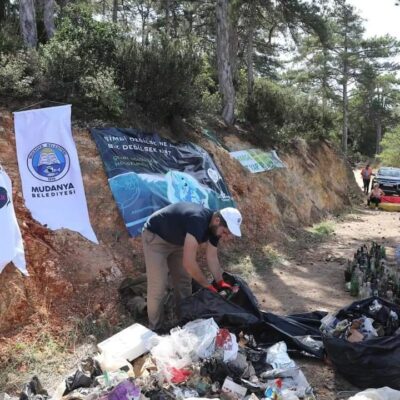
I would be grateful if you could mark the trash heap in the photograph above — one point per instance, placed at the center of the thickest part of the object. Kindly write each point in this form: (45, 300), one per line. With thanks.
(199, 360)
(369, 274)
(358, 325)
(362, 341)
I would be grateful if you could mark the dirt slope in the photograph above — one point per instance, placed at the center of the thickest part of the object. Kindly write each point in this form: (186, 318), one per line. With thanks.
(71, 276)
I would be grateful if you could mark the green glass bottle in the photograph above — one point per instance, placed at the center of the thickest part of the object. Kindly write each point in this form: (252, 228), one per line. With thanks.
(354, 285)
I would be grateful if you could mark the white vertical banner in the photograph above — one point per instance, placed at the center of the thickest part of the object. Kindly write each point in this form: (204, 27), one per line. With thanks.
(50, 172)
(11, 245)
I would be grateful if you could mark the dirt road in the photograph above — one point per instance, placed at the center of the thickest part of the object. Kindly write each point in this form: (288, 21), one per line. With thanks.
(310, 276)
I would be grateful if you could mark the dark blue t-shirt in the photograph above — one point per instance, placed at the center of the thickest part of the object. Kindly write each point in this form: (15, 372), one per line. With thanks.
(173, 222)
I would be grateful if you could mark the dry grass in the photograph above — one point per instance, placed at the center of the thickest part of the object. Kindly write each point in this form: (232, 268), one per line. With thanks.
(323, 230)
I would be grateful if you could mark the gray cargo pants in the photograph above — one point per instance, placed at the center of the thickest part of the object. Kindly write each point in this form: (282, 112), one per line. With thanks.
(162, 258)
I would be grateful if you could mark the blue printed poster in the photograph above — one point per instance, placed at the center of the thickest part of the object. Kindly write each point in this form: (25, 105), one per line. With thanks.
(147, 172)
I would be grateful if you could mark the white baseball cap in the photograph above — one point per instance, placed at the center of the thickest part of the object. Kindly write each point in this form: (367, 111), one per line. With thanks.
(233, 219)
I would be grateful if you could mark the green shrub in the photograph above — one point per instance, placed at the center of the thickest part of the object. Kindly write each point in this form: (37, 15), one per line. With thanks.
(323, 229)
(63, 67)
(10, 39)
(81, 57)
(207, 83)
(102, 91)
(19, 73)
(390, 143)
(281, 113)
(160, 77)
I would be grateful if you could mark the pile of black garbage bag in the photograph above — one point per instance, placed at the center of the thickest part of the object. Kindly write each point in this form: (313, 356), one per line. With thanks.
(369, 363)
(241, 313)
(374, 361)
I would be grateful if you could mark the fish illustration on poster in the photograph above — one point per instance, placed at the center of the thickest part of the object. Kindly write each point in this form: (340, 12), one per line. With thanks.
(147, 172)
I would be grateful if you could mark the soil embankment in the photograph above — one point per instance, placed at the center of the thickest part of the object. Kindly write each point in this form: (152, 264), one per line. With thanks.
(71, 276)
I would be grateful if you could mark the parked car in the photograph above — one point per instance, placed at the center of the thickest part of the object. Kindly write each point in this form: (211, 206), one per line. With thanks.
(388, 179)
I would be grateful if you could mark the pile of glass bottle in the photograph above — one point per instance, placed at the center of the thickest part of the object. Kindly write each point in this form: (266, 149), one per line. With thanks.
(370, 275)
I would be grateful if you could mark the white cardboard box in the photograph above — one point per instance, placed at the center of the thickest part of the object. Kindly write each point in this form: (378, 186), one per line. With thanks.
(128, 344)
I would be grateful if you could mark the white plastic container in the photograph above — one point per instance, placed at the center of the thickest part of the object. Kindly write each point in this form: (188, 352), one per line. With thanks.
(128, 344)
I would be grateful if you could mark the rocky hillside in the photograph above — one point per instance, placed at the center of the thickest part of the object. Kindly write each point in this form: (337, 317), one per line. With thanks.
(70, 276)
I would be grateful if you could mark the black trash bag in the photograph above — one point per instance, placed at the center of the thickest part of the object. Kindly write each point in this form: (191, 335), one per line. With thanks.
(301, 337)
(77, 380)
(234, 314)
(242, 313)
(84, 377)
(372, 363)
(33, 391)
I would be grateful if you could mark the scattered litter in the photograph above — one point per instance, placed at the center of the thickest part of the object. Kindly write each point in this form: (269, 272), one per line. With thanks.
(384, 393)
(232, 388)
(199, 360)
(33, 390)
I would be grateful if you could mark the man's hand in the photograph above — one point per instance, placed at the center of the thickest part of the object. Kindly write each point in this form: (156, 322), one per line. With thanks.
(212, 288)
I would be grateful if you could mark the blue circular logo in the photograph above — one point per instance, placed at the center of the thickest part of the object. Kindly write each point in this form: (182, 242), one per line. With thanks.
(3, 197)
(48, 162)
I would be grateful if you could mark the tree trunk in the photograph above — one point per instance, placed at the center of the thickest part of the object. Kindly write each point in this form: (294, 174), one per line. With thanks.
(167, 17)
(345, 114)
(115, 11)
(378, 135)
(345, 96)
(27, 20)
(250, 53)
(224, 67)
(48, 18)
(233, 45)
(3, 8)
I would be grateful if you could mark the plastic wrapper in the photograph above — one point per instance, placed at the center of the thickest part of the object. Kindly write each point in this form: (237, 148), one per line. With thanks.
(278, 357)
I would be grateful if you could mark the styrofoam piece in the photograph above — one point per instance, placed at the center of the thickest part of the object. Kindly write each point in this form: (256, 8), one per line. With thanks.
(128, 344)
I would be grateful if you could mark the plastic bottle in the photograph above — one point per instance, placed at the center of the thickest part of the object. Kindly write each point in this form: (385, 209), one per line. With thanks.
(274, 392)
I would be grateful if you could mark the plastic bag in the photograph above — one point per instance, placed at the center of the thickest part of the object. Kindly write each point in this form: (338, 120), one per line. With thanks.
(184, 346)
(227, 343)
(34, 391)
(205, 331)
(125, 390)
(278, 357)
(175, 351)
(384, 393)
(308, 341)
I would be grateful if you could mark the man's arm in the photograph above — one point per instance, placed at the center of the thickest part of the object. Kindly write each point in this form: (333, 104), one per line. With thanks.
(190, 262)
(213, 262)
